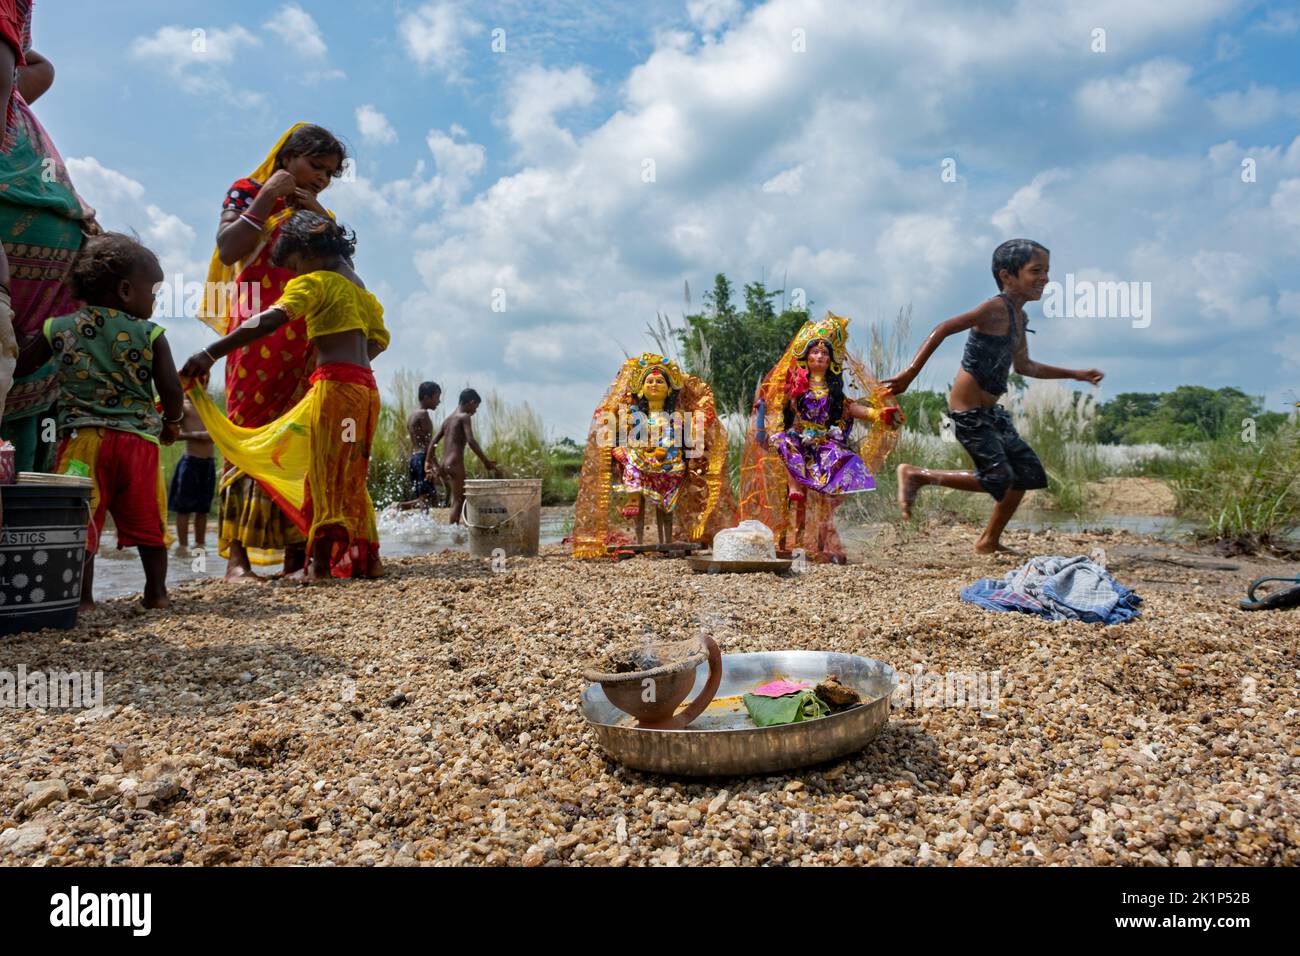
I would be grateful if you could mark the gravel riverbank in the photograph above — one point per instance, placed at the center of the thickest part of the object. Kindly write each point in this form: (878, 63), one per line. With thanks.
(432, 718)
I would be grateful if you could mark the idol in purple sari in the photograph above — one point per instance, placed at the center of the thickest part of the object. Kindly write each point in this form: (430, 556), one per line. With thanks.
(803, 420)
(814, 450)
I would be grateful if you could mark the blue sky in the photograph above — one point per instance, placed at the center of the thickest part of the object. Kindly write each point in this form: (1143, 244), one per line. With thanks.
(792, 138)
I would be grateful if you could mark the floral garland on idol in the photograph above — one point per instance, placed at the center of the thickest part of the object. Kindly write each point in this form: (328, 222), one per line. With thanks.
(810, 444)
(655, 442)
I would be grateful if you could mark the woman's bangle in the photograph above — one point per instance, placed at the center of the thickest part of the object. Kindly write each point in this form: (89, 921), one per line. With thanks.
(252, 221)
(211, 358)
(174, 421)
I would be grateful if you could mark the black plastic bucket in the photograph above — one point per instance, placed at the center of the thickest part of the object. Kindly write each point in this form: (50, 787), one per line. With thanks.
(42, 550)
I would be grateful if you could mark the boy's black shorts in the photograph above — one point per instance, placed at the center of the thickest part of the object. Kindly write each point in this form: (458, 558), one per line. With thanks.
(193, 483)
(1003, 460)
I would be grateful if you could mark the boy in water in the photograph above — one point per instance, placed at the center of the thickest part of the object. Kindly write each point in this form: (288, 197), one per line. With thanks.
(458, 431)
(1005, 466)
(193, 481)
(419, 426)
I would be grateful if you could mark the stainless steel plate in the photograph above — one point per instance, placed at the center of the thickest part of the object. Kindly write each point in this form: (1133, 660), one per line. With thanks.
(723, 741)
(705, 564)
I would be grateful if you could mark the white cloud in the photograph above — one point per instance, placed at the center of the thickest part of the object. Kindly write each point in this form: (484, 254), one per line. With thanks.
(117, 199)
(1286, 203)
(1253, 106)
(1284, 22)
(587, 251)
(1227, 47)
(374, 126)
(1143, 97)
(433, 36)
(1026, 210)
(536, 95)
(394, 203)
(196, 57)
(788, 182)
(710, 15)
(457, 162)
(923, 247)
(299, 31)
(93, 179)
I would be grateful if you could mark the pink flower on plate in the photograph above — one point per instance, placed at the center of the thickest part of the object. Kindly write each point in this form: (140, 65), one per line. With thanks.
(779, 688)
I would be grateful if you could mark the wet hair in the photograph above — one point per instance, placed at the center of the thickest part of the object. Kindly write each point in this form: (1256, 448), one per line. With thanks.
(314, 236)
(312, 140)
(104, 261)
(429, 389)
(1013, 255)
(834, 382)
(469, 395)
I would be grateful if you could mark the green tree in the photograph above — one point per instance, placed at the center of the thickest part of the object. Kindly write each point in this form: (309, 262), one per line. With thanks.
(1189, 413)
(1118, 419)
(735, 349)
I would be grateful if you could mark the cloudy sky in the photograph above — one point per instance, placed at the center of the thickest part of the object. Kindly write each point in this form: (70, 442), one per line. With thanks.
(579, 161)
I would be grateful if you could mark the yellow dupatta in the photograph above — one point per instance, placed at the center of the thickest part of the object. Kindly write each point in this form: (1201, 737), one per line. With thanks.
(277, 455)
(214, 309)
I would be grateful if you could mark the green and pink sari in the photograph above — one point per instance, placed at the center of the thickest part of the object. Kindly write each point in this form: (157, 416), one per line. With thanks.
(43, 223)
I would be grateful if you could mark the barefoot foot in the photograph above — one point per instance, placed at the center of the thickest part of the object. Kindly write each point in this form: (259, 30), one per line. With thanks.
(156, 603)
(995, 547)
(908, 485)
(241, 576)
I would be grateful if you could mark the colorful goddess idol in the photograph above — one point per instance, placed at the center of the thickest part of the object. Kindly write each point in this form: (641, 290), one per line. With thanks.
(801, 450)
(655, 441)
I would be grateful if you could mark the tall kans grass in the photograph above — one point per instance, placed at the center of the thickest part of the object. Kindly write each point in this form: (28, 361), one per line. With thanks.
(1058, 423)
(1245, 493)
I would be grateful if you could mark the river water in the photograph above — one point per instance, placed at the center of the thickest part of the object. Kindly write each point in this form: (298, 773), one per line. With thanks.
(401, 535)
(413, 533)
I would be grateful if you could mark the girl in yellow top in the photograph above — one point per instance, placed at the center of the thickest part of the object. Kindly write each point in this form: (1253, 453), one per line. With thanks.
(313, 459)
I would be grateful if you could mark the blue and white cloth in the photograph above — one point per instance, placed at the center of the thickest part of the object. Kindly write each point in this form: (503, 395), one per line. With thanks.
(1058, 588)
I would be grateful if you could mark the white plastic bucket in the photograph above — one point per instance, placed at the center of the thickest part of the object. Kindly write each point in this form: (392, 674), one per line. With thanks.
(503, 513)
(42, 550)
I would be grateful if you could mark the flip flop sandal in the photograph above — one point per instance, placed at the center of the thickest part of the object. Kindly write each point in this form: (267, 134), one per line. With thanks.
(1275, 599)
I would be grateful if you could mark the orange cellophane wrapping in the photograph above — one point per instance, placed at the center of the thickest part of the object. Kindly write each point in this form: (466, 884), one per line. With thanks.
(706, 503)
(764, 489)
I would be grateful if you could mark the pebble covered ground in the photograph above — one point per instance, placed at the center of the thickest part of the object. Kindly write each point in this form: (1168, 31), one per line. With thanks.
(432, 718)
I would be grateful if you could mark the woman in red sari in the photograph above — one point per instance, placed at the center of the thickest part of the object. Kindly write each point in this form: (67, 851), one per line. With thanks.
(269, 377)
